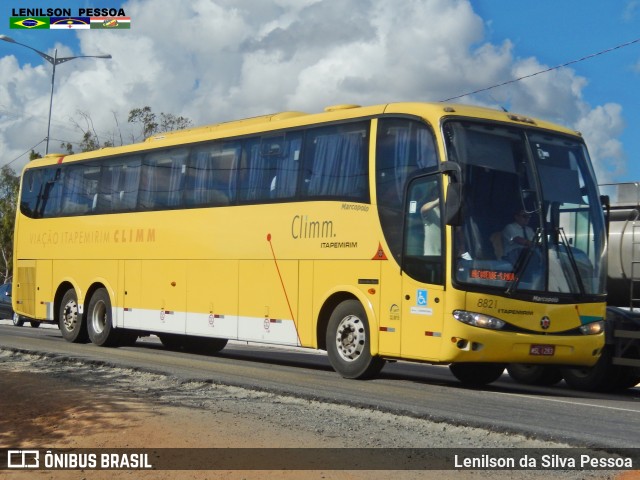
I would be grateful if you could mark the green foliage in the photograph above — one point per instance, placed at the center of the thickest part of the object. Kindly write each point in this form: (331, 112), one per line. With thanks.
(9, 184)
(67, 148)
(151, 124)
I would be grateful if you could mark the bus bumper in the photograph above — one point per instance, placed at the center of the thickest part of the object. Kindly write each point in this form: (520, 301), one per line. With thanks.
(471, 344)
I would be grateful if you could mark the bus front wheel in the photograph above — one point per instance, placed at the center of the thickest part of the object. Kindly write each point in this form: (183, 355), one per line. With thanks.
(70, 321)
(99, 320)
(476, 374)
(349, 342)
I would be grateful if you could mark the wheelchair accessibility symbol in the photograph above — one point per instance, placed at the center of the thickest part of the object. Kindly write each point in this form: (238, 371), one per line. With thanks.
(421, 298)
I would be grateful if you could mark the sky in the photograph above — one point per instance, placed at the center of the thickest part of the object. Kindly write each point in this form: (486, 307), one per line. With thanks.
(219, 60)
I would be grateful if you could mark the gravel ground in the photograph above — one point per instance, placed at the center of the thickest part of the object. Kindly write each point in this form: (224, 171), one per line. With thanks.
(54, 402)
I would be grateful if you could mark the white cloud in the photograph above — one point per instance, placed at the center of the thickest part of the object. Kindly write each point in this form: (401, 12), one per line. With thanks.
(601, 127)
(630, 10)
(219, 60)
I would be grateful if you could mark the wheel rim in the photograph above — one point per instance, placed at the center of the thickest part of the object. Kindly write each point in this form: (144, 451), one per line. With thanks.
(70, 315)
(350, 338)
(16, 319)
(99, 317)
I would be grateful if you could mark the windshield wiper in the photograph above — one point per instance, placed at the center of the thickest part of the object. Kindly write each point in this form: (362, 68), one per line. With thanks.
(523, 260)
(572, 259)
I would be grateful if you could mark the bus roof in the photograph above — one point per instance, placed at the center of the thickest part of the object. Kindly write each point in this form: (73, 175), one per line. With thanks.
(431, 112)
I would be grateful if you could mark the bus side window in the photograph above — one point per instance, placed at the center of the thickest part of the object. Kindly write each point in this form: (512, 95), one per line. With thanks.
(284, 184)
(209, 178)
(52, 193)
(403, 146)
(128, 184)
(162, 179)
(337, 165)
(118, 186)
(103, 201)
(32, 191)
(257, 171)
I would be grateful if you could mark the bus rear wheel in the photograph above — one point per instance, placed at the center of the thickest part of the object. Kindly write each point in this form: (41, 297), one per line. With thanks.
(349, 342)
(477, 374)
(70, 321)
(100, 321)
(17, 320)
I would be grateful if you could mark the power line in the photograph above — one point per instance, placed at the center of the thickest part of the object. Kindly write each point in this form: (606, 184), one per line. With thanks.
(545, 71)
(41, 141)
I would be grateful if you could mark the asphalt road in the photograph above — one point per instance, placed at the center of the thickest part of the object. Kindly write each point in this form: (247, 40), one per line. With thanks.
(424, 391)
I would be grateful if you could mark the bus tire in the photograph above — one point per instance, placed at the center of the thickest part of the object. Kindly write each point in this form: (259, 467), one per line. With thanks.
(542, 375)
(477, 374)
(349, 342)
(70, 321)
(18, 321)
(100, 320)
(34, 324)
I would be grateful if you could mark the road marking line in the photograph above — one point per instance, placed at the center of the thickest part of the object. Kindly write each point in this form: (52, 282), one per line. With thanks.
(572, 403)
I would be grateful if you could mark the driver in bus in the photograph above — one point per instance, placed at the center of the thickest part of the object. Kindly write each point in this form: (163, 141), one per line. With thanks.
(517, 236)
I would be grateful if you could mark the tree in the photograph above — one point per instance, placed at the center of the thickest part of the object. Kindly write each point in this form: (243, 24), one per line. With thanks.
(9, 184)
(67, 147)
(90, 139)
(151, 124)
(149, 121)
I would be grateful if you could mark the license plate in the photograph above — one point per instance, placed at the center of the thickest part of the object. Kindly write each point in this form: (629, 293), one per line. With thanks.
(542, 350)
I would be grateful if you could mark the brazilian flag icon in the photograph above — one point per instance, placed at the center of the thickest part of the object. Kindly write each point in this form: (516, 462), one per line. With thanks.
(29, 22)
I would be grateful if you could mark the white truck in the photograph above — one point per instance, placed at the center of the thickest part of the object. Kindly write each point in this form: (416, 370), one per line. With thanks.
(619, 366)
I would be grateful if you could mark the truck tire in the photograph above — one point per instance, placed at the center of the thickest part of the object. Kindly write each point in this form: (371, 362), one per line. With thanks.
(477, 374)
(628, 377)
(70, 320)
(349, 342)
(542, 375)
(602, 377)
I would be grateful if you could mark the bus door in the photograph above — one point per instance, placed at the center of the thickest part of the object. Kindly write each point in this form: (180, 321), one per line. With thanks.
(423, 264)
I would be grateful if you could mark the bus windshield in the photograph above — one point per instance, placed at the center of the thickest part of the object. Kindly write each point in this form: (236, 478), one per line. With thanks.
(531, 220)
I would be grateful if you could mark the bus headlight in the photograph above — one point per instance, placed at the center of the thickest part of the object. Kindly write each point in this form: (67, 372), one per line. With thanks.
(478, 320)
(593, 328)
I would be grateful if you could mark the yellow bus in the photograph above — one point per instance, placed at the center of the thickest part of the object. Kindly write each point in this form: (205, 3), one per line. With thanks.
(373, 233)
